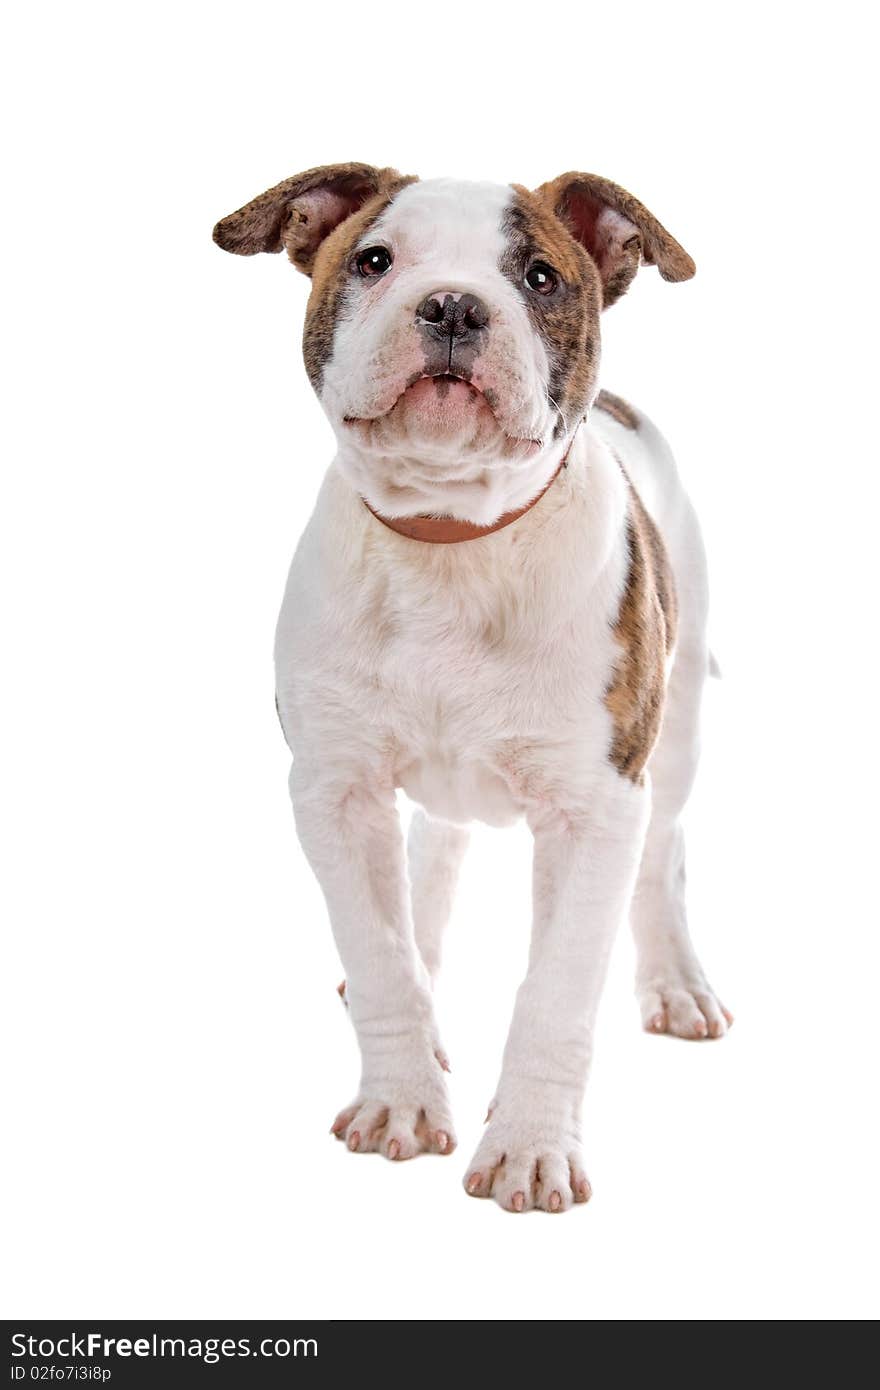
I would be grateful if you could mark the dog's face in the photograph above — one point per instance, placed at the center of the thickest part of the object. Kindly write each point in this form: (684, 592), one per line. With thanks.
(452, 332)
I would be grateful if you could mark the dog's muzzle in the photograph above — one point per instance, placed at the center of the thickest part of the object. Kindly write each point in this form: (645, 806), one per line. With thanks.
(454, 327)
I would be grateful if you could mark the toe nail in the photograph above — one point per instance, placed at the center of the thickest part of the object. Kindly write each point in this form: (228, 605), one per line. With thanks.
(442, 1140)
(353, 1140)
(657, 1023)
(473, 1182)
(555, 1201)
(393, 1149)
(519, 1201)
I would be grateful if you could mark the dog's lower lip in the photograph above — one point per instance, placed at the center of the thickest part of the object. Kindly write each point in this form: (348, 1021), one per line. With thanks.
(451, 377)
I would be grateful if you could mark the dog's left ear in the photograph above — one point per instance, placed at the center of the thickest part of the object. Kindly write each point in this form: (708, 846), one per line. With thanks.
(616, 230)
(298, 213)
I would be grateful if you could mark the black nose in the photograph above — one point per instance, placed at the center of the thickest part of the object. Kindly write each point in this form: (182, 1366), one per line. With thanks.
(457, 317)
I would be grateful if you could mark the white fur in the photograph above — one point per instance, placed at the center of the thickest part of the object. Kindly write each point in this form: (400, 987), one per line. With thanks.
(474, 676)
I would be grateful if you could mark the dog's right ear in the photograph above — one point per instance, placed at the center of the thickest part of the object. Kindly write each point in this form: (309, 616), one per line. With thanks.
(299, 213)
(617, 231)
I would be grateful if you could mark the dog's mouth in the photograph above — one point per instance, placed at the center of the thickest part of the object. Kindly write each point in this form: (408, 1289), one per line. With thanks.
(428, 387)
(443, 404)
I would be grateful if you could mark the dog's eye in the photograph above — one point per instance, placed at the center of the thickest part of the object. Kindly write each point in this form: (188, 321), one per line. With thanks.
(541, 278)
(373, 262)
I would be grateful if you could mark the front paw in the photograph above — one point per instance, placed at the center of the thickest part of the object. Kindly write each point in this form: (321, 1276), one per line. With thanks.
(524, 1165)
(678, 1000)
(399, 1121)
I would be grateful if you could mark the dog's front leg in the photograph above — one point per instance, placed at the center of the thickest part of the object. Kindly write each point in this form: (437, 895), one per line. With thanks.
(350, 831)
(585, 863)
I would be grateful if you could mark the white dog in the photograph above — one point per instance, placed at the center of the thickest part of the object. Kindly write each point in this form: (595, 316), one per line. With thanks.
(482, 611)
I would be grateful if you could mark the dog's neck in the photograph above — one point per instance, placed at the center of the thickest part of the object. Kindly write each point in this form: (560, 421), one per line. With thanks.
(447, 530)
(420, 498)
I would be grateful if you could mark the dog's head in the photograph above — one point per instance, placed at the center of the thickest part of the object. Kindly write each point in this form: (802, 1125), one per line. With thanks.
(452, 332)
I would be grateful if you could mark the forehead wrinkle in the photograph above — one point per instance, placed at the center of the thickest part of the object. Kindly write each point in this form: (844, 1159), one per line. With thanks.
(454, 221)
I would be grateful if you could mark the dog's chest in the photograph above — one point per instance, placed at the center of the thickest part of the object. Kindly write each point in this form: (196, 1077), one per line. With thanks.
(478, 690)
(458, 699)
(475, 679)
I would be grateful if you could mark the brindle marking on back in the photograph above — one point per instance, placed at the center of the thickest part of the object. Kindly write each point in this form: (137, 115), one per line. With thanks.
(645, 629)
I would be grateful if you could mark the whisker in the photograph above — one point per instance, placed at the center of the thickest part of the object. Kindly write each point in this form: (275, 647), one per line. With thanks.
(558, 412)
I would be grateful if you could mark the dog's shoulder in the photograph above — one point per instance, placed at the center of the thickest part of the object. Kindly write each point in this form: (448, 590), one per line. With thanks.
(644, 629)
(617, 409)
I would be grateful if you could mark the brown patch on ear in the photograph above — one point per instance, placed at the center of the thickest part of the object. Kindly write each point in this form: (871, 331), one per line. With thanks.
(298, 213)
(616, 229)
(645, 629)
(619, 409)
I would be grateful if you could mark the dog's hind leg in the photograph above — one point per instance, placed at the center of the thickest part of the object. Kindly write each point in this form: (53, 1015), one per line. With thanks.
(673, 993)
(434, 853)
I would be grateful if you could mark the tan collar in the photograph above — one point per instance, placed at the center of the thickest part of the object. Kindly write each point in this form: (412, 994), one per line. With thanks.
(448, 530)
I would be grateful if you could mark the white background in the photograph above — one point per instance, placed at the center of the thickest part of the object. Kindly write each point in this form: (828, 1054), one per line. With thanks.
(175, 1050)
